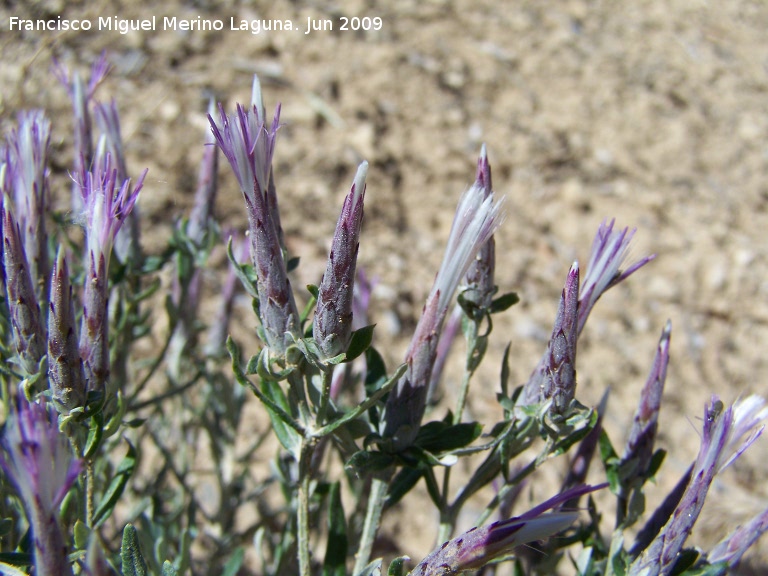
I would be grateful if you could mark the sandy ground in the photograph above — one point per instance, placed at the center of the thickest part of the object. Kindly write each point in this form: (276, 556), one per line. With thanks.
(655, 113)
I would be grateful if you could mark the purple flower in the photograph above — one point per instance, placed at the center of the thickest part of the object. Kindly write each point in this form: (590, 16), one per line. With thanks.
(332, 327)
(733, 547)
(249, 144)
(127, 243)
(480, 276)
(477, 218)
(609, 250)
(207, 187)
(642, 435)
(475, 548)
(28, 334)
(37, 459)
(27, 159)
(727, 433)
(107, 205)
(81, 96)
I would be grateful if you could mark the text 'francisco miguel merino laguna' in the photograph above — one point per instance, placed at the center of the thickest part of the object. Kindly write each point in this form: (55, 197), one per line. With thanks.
(125, 25)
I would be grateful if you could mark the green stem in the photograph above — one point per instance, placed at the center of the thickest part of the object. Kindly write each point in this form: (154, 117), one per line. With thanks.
(468, 371)
(325, 396)
(307, 449)
(376, 497)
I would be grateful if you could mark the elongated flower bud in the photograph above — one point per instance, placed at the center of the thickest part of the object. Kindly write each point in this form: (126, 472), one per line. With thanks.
(65, 367)
(207, 187)
(106, 207)
(609, 250)
(733, 547)
(28, 333)
(28, 158)
(642, 435)
(37, 459)
(248, 143)
(477, 218)
(480, 276)
(81, 96)
(479, 546)
(727, 433)
(332, 326)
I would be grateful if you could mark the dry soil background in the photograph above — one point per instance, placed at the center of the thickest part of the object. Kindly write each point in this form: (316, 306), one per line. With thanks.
(653, 112)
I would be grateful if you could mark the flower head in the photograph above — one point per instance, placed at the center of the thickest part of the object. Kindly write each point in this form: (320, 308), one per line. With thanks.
(248, 143)
(475, 548)
(107, 204)
(609, 250)
(38, 460)
(332, 327)
(727, 433)
(28, 334)
(477, 218)
(480, 275)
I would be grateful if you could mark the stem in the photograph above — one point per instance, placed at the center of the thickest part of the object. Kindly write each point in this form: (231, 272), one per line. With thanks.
(89, 491)
(468, 371)
(307, 448)
(378, 493)
(325, 397)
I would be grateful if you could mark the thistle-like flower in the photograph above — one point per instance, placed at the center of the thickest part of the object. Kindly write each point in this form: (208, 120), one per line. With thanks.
(28, 334)
(81, 96)
(332, 327)
(480, 285)
(479, 546)
(27, 158)
(107, 205)
(727, 433)
(65, 367)
(477, 218)
(609, 250)
(127, 241)
(248, 143)
(37, 459)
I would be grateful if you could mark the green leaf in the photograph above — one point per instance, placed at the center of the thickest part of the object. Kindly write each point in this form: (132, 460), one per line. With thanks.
(234, 563)
(402, 483)
(360, 342)
(130, 553)
(610, 461)
(685, 559)
(82, 534)
(116, 486)
(718, 569)
(95, 434)
(365, 462)
(286, 434)
(336, 549)
(169, 569)
(397, 566)
(503, 302)
(292, 263)
(439, 437)
(241, 271)
(16, 559)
